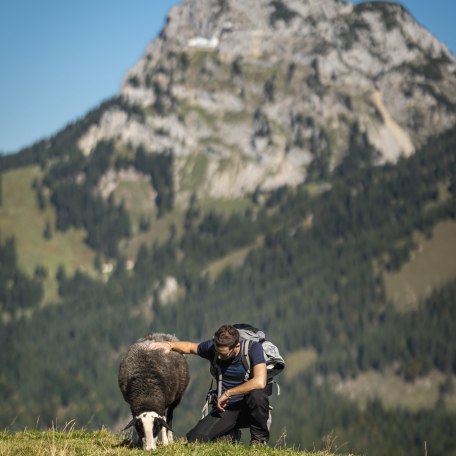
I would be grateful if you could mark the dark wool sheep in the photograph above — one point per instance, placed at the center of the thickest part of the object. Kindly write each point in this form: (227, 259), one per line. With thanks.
(153, 383)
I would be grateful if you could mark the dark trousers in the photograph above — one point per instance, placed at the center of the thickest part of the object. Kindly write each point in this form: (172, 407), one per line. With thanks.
(252, 412)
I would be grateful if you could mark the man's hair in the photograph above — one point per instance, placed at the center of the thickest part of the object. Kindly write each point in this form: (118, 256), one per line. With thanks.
(226, 335)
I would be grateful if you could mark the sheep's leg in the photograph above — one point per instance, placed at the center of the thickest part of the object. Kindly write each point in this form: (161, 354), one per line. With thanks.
(164, 436)
(169, 420)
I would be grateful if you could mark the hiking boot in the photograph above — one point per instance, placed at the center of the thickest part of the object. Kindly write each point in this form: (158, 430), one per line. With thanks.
(236, 435)
(255, 442)
(233, 436)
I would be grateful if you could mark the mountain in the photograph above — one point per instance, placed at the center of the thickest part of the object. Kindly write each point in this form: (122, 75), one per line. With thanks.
(249, 95)
(266, 93)
(285, 163)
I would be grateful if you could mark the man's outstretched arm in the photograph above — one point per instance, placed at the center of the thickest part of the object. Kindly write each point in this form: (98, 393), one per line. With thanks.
(179, 346)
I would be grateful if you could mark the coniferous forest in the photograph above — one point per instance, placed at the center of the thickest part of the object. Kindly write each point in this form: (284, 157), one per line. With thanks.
(314, 280)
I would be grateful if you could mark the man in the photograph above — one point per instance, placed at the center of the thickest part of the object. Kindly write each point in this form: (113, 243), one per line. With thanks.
(241, 402)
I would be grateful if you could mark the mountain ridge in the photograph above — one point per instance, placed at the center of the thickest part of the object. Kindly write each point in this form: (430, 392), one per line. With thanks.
(291, 79)
(259, 94)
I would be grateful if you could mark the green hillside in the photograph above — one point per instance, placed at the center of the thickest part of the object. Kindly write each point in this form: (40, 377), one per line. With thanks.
(423, 393)
(318, 270)
(21, 218)
(431, 264)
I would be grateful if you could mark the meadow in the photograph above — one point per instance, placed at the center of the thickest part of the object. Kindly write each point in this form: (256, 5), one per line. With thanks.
(72, 442)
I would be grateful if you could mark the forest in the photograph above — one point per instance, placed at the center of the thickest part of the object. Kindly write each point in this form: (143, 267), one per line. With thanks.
(314, 280)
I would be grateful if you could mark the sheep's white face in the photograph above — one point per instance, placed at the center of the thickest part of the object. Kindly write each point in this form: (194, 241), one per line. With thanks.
(152, 424)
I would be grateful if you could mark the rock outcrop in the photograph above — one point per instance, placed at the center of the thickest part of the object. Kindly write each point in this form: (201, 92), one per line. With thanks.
(258, 93)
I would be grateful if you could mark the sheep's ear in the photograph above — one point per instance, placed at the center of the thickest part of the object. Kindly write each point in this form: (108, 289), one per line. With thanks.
(164, 424)
(130, 424)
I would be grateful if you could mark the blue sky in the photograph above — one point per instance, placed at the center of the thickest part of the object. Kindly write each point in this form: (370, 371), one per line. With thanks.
(59, 59)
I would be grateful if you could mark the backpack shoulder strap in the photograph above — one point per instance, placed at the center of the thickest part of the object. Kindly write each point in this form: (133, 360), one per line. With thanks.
(217, 374)
(245, 347)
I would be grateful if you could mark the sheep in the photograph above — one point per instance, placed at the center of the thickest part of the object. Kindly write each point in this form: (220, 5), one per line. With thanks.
(153, 382)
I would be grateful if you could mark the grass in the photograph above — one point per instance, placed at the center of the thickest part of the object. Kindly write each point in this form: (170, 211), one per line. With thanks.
(74, 442)
(138, 197)
(159, 232)
(431, 265)
(186, 108)
(237, 117)
(160, 228)
(298, 361)
(225, 206)
(21, 218)
(233, 259)
(192, 171)
(393, 391)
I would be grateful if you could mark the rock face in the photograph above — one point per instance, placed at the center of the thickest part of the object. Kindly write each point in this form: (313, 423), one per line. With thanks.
(258, 93)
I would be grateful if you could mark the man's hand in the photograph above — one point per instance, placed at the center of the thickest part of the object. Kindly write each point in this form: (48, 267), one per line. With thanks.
(165, 346)
(178, 346)
(222, 401)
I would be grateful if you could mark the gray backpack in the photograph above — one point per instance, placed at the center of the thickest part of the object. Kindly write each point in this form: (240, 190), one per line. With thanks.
(274, 361)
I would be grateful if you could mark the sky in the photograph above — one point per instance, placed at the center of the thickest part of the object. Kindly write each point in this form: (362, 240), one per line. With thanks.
(60, 59)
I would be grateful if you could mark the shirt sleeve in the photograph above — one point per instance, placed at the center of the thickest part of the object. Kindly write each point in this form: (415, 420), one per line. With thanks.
(256, 354)
(206, 350)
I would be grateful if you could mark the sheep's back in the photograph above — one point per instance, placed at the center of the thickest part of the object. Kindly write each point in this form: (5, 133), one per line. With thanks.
(147, 376)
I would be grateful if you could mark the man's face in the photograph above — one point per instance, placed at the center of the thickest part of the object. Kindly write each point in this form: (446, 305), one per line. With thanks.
(224, 352)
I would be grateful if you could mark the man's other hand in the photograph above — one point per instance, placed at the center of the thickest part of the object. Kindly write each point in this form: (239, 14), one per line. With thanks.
(222, 402)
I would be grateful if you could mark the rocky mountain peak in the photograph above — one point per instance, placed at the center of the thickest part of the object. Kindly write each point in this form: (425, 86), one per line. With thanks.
(261, 93)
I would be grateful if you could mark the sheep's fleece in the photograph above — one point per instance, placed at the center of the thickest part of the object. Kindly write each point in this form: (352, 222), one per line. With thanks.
(153, 384)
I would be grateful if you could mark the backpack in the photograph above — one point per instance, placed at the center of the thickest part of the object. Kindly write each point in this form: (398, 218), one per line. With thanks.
(274, 361)
(247, 334)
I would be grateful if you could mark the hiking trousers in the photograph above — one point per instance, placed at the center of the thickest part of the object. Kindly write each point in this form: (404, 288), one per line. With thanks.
(252, 412)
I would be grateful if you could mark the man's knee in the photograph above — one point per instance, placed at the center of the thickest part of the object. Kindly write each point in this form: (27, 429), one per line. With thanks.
(200, 433)
(195, 436)
(257, 397)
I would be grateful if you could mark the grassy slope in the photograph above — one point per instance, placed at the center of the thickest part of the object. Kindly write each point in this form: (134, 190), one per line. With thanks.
(394, 391)
(431, 265)
(138, 198)
(20, 216)
(159, 230)
(298, 361)
(234, 259)
(80, 442)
